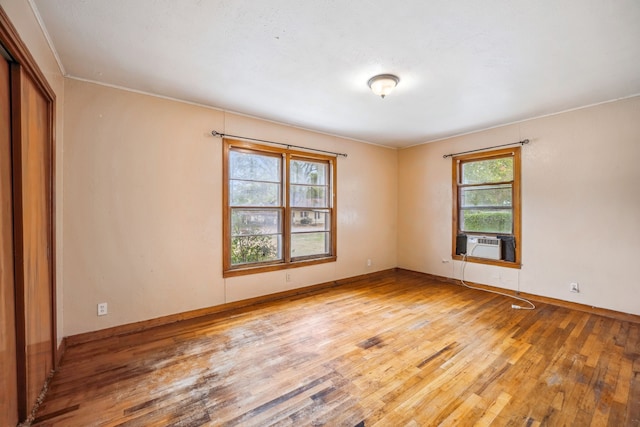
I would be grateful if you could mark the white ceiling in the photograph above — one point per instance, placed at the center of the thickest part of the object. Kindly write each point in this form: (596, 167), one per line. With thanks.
(463, 65)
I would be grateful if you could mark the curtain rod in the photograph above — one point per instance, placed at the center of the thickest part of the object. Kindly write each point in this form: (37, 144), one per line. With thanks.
(223, 135)
(523, 142)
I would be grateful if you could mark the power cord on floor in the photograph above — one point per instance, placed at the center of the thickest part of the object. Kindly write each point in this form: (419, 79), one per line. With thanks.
(514, 306)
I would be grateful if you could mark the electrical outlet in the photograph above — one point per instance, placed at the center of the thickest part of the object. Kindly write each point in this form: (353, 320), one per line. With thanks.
(102, 309)
(573, 287)
(288, 277)
(369, 262)
(445, 261)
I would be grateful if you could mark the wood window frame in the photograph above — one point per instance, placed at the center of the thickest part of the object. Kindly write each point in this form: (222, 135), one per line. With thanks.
(287, 262)
(516, 204)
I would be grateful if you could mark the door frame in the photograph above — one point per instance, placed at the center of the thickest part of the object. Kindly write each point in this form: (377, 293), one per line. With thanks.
(22, 58)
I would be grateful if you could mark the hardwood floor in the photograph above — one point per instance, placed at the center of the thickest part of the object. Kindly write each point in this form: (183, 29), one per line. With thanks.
(399, 349)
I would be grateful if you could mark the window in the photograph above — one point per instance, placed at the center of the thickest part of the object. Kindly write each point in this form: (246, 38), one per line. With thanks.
(279, 208)
(486, 200)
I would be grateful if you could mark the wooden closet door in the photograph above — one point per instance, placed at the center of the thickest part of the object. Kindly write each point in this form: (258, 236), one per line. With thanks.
(8, 384)
(33, 238)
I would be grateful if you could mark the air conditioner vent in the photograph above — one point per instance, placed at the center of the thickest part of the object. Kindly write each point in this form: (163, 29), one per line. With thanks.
(486, 241)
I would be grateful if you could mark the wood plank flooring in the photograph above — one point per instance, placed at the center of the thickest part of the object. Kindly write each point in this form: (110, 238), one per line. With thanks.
(399, 349)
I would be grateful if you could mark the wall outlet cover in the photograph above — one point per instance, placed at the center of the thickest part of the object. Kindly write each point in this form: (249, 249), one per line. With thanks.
(102, 309)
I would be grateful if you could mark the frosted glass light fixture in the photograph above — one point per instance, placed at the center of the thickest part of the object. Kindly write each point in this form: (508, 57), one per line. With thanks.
(383, 84)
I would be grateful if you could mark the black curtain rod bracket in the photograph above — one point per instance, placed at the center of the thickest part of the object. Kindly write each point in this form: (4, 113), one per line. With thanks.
(523, 142)
(225, 135)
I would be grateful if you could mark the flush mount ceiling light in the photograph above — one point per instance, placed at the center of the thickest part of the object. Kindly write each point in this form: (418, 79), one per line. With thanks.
(383, 84)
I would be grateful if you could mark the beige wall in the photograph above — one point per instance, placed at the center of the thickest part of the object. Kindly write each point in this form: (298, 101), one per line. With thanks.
(22, 17)
(143, 214)
(580, 206)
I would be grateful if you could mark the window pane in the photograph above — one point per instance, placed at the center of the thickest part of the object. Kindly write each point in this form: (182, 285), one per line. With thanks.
(485, 196)
(310, 220)
(255, 221)
(254, 167)
(487, 171)
(251, 193)
(257, 248)
(255, 235)
(487, 220)
(309, 196)
(306, 172)
(306, 244)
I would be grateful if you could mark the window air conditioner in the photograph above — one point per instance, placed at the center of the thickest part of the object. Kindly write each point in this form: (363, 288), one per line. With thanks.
(483, 247)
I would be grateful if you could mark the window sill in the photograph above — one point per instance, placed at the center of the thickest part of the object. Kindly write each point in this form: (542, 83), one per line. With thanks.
(499, 263)
(263, 268)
